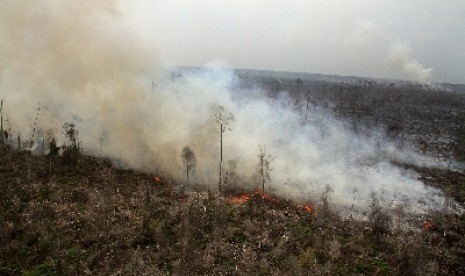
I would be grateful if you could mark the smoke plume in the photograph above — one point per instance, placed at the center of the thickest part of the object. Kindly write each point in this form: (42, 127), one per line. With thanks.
(80, 62)
(400, 58)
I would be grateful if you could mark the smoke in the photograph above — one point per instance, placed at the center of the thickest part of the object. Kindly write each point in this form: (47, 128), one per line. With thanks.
(317, 36)
(82, 63)
(76, 61)
(400, 58)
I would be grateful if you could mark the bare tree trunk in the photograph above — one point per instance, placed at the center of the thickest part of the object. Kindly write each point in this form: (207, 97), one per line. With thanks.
(223, 122)
(221, 158)
(1, 122)
(262, 163)
(308, 100)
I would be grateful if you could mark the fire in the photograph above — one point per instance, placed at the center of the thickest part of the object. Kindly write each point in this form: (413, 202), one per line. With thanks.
(239, 199)
(246, 197)
(266, 196)
(157, 179)
(309, 208)
(427, 224)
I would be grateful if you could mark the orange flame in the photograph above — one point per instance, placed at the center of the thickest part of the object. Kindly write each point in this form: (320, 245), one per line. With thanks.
(309, 208)
(246, 197)
(239, 199)
(157, 179)
(266, 196)
(427, 224)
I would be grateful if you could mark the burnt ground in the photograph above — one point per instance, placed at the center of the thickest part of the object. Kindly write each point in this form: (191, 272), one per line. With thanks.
(80, 215)
(427, 118)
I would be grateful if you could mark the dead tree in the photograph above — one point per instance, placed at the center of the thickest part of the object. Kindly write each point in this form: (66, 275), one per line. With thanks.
(2, 138)
(223, 120)
(308, 100)
(264, 166)
(35, 128)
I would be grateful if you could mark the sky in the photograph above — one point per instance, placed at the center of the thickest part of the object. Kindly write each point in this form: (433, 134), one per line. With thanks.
(422, 40)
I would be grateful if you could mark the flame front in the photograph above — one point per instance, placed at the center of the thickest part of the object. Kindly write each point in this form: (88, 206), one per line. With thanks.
(246, 197)
(157, 179)
(266, 196)
(239, 199)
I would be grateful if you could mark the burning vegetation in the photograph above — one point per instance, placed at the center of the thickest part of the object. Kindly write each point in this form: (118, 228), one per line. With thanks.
(427, 224)
(240, 199)
(65, 211)
(71, 213)
(350, 175)
(91, 217)
(243, 198)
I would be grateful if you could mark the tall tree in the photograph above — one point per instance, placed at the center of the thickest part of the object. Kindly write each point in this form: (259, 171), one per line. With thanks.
(2, 138)
(264, 166)
(223, 119)
(190, 161)
(308, 100)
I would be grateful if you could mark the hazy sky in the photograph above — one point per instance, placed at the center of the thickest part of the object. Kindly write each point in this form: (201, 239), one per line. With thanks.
(416, 39)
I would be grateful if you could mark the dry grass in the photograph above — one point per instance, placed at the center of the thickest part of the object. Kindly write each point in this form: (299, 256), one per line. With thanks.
(92, 218)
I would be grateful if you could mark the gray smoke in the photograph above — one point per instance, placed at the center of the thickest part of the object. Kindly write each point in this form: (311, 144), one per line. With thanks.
(400, 58)
(82, 63)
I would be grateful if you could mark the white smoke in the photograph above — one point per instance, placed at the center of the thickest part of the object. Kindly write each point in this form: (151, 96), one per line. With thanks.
(308, 155)
(400, 57)
(81, 64)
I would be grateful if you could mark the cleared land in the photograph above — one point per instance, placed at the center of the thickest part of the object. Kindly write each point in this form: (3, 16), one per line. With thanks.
(76, 214)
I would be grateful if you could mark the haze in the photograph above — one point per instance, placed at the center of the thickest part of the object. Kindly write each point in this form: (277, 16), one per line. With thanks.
(80, 62)
(421, 40)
